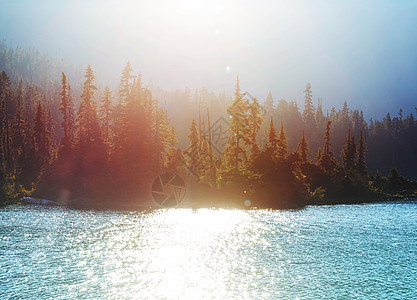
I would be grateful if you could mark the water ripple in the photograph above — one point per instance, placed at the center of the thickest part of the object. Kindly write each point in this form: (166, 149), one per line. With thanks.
(346, 251)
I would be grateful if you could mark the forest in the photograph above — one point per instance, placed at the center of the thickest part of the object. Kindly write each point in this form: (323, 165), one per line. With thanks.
(68, 140)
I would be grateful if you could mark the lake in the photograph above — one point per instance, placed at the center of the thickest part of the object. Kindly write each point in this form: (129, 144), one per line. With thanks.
(332, 252)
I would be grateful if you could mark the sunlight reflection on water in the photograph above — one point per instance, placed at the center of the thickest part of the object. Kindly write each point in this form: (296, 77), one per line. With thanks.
(320, 252)
(190, 254)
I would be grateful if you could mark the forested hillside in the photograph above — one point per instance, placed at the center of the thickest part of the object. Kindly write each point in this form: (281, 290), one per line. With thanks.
(69, 141)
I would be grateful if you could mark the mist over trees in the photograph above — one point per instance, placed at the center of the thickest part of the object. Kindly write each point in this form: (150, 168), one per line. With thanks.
(96, 147)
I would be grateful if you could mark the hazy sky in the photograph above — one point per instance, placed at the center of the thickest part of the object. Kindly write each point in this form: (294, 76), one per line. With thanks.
(361, 51)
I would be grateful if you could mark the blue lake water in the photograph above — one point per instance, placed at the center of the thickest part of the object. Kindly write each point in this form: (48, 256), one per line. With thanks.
(333, 252)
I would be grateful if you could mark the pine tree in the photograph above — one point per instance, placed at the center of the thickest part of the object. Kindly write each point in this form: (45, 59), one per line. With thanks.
(125, 85)
(209, 138)
(320, 119)
(211, 179)
(349, 152)
(361, 162)
(308, 113)
(160, 141)
(50, 137)
(66, 110)
(3, 122)
(193, 151)
(19, 127)
(29, 100)
(44, 136)
(204, 155)
(121, 110)
(282, 143)
(5, 138)
(254, 121)
(345, 120)
(272, 146)
(39, 151)
(105, 112)
(172, 152)
(327, 145)
(353, 152)
(303, 148)
(39, 133)
(88, 125)
(239, 128)
(345, 152)
(326, 159)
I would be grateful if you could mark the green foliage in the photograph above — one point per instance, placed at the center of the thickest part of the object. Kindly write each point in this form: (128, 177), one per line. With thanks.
(317, 196)
(114, 150)
(349, 153)
(303, 148)
(326, 158)
(272, 146)
(361, 162)
(10, 192)
(68, 114)
(87, 119)
(282, 143)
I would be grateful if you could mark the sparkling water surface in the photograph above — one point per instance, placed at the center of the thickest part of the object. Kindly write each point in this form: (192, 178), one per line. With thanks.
(364, 251)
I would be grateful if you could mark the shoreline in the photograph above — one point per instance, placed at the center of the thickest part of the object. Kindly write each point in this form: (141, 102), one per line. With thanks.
(154, 206)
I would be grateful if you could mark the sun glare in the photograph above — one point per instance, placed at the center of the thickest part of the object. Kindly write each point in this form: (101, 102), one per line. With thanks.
(187, 250)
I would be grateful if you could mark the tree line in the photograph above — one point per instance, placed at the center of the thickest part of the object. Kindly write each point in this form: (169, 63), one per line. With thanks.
(108, 150)
(391, 140)
(103, 147)
(272, 173)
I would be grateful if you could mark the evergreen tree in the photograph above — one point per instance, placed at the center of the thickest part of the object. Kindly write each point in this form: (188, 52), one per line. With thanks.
(88, 125)
(272, 146)
(50, 137)
(320, 118)
(19, 124)
(5, 138)
(105, 113)
(120, 111)
(66, 110)
(172, 152)
(211, 178)
(204, 155)
(239, 128)
(125, 84)
(27, 100)
(282, 143)
(303, 148)
(43, 138)
(361, 162)
(349, 152)
(327, 145)
(164, 138)
(308, 113)
(193, 151)
(345, 120)
(326, 159)
(254, 121)
(39, 134)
